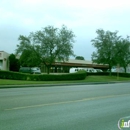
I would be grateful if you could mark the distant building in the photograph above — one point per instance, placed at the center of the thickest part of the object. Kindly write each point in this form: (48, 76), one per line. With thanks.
(120, 69)
(57, 67)
(65, 66)
(4, 60)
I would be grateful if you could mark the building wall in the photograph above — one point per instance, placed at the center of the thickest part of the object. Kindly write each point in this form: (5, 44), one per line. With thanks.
(121, 69)
(4, 60)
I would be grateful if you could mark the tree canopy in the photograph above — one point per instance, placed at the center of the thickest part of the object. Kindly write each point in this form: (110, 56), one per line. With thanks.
(13, 63)
(29, 59)
(123, 52)
(111, 49)
(47, 45)
(79, 58)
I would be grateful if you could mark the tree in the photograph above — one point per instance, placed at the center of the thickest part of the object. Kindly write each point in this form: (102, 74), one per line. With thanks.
(105, 47)
(29, 59)
(48, 45)
(123, 52)
(79, 58)
(14, 63)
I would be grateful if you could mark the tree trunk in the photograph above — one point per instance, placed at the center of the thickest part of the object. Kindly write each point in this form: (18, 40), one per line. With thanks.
(48, 69)
(47, 66)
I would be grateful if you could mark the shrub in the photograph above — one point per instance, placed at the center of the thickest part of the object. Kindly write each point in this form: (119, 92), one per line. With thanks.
(107, 73)
(124, 75)
(98, 73)
(12, 75)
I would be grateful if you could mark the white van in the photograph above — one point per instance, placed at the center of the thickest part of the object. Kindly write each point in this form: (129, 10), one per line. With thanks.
(91, 70)
(73, 70)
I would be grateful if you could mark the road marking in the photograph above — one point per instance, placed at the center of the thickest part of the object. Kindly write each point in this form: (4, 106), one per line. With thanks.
(66, 102)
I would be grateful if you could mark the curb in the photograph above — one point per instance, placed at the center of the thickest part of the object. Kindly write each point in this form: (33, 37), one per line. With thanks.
(53, 85)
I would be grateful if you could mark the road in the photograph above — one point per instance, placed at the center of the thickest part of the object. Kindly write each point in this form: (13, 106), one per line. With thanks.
(77, 107)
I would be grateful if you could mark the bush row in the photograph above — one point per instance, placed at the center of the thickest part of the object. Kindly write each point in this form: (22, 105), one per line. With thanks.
(98, 73)
(41, 77)
(107, 73)
(124, 75)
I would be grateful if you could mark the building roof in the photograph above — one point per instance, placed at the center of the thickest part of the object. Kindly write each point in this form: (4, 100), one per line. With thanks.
(80, 63)
(4, 52)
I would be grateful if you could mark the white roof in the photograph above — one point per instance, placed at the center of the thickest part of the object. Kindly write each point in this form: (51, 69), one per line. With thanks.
(79, 61)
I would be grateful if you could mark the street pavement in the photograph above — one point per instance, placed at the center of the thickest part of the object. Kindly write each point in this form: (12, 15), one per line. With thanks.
(76, 107)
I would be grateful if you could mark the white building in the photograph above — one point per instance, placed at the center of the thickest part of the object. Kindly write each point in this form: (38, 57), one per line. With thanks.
(121, 69)
(4, 60)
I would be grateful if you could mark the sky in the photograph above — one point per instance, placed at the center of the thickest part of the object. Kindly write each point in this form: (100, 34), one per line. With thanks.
(83, 17)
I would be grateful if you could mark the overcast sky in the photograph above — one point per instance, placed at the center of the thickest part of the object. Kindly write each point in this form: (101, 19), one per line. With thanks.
(83, 17)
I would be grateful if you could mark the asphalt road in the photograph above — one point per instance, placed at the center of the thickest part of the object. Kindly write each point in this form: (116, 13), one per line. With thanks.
(81, 107)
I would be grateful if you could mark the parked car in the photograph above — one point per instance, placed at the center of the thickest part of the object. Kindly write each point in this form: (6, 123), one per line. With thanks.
(31, 70)
(35, 70)
(73, 70)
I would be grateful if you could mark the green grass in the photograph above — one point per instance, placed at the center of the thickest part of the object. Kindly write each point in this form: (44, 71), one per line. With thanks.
(88, 79)
(105, 79)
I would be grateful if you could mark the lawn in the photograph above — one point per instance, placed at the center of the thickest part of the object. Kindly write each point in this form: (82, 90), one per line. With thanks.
(88, 79)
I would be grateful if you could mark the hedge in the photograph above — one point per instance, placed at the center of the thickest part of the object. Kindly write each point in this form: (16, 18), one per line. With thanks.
(107, 74)
(98, 73)
(42, 77)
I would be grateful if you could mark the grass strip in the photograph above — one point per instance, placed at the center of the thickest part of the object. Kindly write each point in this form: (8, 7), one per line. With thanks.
(88, 79)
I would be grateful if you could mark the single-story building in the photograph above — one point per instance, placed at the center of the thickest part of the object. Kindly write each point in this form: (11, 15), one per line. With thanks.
(4, 60)
(60, 67)
(64, 67)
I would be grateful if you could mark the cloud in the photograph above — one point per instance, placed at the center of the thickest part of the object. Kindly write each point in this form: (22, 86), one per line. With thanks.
(83, 17)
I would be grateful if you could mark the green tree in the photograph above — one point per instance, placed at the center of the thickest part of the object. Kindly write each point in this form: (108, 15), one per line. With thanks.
(105, 47)
(48, 45)
(79, 58)
(29, 58)
(13, 63)
(123, 52)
